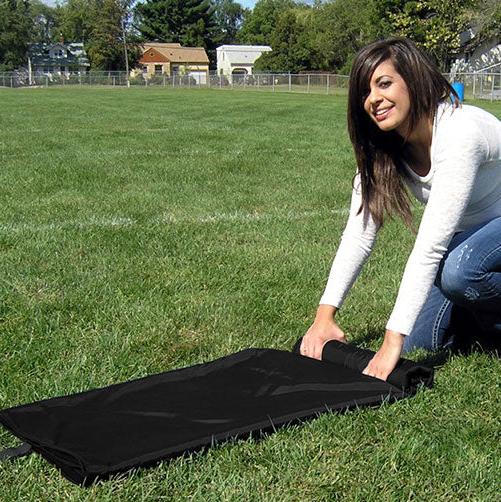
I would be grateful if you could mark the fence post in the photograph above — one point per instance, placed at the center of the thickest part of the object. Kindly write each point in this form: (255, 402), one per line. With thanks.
(492, 87)
(273, 82)
(328, 83)
(290, 83)
(308, 83)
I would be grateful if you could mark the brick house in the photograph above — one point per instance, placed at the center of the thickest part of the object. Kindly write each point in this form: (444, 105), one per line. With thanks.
(172, 59)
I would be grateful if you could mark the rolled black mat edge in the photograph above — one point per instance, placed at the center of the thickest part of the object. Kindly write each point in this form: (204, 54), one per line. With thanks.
(407, 375)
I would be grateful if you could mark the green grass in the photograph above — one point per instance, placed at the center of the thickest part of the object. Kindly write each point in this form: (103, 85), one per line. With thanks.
(148, 229)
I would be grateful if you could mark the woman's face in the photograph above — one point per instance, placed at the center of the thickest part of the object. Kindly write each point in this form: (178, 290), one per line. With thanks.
(388, 102)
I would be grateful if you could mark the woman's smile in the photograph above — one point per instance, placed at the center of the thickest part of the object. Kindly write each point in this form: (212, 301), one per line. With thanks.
(382, 113)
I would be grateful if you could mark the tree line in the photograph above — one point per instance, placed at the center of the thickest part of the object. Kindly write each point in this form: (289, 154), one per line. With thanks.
(322, 35)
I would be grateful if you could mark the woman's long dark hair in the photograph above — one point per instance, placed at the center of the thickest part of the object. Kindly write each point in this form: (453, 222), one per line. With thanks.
(378, 153)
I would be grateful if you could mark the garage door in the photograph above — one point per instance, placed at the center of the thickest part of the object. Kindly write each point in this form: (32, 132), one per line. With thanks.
(199, 76)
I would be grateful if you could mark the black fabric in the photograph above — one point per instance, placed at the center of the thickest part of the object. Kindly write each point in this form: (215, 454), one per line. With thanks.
(18, 451)
(407, 375)
(95, 434)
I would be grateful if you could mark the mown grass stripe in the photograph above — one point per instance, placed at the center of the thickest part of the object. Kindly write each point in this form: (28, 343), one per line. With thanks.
(120, 222)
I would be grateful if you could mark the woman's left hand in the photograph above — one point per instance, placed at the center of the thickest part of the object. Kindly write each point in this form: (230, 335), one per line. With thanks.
(386, 358)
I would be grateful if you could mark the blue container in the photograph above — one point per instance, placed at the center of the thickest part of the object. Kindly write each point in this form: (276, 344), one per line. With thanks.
(459, 88)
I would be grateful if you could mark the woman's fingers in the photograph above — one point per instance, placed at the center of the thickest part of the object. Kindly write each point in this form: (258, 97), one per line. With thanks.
(316, 337)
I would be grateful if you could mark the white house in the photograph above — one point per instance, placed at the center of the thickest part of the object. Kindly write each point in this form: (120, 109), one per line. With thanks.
(57, 58)
(484, 61)
(238, 59)
(477, 57)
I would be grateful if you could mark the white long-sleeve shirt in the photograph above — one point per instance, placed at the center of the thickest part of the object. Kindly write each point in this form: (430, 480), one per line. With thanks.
(462, 189)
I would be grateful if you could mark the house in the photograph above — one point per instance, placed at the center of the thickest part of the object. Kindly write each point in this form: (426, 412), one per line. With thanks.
(238, 59)
(173, 59)
(479, 66)
(477, 56)
(60, 58)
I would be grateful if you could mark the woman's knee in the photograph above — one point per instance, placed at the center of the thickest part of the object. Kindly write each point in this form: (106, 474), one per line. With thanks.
(460, 276)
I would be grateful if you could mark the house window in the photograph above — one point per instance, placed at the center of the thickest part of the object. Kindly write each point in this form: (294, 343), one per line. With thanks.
(158, 69)
(59, 53)
(175, 70)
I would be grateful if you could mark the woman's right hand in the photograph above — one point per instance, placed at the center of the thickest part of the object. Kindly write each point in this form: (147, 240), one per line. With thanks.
(323, 329)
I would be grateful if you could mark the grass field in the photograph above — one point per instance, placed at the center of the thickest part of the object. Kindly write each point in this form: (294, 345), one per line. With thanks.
(144, 230)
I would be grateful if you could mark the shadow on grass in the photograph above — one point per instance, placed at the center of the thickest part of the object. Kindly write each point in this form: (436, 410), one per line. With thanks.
(368, 339)
(463, 345)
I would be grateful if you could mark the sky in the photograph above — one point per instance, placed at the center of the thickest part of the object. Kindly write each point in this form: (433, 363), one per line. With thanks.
(245, 3)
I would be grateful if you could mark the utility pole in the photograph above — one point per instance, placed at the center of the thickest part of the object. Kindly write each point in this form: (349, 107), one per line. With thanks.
(124, 40)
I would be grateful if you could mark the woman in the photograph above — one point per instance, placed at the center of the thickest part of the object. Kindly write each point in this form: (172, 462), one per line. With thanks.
(406, 132)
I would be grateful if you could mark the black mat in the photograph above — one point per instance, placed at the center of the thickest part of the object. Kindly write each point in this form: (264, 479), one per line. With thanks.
(95, 434)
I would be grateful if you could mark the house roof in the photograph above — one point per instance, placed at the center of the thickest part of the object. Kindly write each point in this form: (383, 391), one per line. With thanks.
(175, 53)
(243, 54)
(75, 54)
(262, 48)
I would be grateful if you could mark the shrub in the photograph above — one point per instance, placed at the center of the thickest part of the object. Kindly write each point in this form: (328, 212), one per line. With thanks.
(219, 80)
(157, 79)
(137, 79)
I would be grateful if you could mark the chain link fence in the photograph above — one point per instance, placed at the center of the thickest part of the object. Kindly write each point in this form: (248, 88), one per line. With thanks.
(314, 83)
(478, 85)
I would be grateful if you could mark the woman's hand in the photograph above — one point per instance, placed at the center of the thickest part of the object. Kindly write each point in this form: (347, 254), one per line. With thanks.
(386, 358)
(323, 329)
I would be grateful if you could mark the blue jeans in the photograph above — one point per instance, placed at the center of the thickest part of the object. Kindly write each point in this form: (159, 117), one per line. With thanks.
(465, 300)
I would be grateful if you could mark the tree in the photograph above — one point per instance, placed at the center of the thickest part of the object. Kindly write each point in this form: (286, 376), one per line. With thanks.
(290, 46)
(76, 19)
(229, 17)
(15, 30)
(106, 41)
(260, 23)
(485, 20)
(341, 29)
(44, 22)
(381, 12)
(189, 22)
(434, 25)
